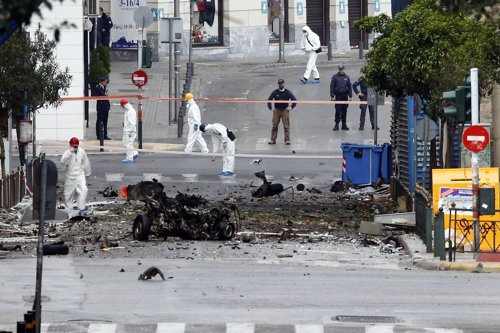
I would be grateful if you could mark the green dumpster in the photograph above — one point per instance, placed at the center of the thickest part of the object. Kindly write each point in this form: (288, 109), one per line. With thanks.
(147, 55)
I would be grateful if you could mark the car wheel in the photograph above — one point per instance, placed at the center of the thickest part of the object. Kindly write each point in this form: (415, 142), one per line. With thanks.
(140, 230)
(226, 231)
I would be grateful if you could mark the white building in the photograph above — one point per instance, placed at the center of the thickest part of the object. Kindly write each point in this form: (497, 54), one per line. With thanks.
(237, 29)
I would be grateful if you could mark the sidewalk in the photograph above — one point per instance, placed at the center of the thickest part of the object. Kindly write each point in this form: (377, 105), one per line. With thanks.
(415, 248)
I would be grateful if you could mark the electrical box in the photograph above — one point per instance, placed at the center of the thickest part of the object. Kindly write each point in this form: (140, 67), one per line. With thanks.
(25, 131)
(487, 201)
(176, 23)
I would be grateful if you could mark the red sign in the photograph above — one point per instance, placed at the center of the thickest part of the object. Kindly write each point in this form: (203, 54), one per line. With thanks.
(476, 138)
(139, 78)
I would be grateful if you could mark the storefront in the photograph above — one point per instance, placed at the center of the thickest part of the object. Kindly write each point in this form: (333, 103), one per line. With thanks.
(208, 23)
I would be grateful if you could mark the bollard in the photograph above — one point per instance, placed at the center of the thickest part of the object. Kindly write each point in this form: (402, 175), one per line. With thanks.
(21, 327)
(439, 250)
(33, 313)
(428, 229)
(101, 136)
(450, 250)
(29, 319)
(330, 51)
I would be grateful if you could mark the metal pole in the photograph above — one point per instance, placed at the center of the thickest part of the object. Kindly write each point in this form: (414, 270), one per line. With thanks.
(139, 48)
(101, 136)
(375, 119)
(474, 76)
(360, 44)
(34, 135)
(426, 139)
(139, 117)
(177, 53)
(37, 306)
(85, 75)
(282, 32)
(170, 69)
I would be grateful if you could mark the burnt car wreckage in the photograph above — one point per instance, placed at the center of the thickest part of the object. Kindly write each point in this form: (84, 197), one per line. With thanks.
(185, 216)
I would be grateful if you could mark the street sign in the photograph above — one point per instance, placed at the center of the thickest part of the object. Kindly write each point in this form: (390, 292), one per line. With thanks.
(476, 138)
(139, 78)
(143, 17)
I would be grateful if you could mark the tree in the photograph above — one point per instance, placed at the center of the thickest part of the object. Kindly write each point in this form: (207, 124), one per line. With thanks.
(100, 64)
(427, 49)
(29, 77)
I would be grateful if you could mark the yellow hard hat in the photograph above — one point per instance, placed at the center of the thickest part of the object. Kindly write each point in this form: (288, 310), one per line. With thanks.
(188, 96)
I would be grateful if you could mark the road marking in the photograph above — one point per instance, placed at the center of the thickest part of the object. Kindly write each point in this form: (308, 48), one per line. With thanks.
(114, 177)
(240, 328)
(170, 328)
(44, 328)
(445, 330)
(150, 176)
(308, 328)
(379, 329)
(102, 328)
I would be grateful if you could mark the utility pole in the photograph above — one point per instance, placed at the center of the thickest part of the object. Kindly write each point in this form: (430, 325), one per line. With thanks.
(177, 52)
(474, 86)
(282, 32)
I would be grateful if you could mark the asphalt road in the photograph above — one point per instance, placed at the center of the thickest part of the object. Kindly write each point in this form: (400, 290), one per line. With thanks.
(272, 292)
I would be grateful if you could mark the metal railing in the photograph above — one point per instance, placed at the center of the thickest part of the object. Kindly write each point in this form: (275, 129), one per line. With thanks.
(460, 235)
(17, 184)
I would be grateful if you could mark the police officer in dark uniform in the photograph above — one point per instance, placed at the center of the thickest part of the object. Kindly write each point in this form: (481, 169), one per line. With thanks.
(103, 107)
(340, 90)
(104, 25)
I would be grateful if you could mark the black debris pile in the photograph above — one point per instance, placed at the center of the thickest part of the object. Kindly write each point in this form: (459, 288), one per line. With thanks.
(109, 192)
(185, 216)
(268, 189)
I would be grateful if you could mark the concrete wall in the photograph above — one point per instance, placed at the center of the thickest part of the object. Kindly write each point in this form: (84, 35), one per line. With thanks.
(67, 120)
(245, 29)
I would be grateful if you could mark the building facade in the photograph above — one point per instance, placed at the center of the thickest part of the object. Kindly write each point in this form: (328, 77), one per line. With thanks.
(66, 121)
(221, 29)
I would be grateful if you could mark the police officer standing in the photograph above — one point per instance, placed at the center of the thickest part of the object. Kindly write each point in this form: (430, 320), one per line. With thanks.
(102, 107)
(341, 90)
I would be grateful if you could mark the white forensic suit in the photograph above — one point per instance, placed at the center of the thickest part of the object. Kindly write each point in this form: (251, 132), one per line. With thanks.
(77, 168)
(194, 121)
(310, 43)
(220, 139)
(130, 131)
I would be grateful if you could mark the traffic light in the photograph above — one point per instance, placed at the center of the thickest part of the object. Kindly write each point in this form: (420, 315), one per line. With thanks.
(459, 102)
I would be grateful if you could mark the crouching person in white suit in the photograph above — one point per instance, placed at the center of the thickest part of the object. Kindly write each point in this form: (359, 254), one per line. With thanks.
(224, 139)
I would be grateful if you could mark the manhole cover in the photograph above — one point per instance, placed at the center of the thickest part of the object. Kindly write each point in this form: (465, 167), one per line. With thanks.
(367, 319)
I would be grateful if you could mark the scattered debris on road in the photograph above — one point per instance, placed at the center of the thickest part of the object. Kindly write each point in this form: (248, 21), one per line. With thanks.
(268, 189)
(150, 273)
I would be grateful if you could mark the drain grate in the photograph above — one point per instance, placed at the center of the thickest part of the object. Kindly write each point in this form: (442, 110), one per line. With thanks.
(367, 319)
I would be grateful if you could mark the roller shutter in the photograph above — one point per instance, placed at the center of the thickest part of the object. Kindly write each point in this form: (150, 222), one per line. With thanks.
(318, 18)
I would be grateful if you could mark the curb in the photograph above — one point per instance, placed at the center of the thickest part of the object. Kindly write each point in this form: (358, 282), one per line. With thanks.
(475, 267)
(438, 265)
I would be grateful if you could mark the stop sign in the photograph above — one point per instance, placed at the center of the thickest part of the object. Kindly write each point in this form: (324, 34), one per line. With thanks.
(476, 138)
(139, 78)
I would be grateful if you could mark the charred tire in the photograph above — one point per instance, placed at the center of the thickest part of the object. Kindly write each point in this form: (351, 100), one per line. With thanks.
(140, 230)
(226, 231)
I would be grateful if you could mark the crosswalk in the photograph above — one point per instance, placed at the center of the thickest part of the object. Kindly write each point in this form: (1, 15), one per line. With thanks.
(233, 328)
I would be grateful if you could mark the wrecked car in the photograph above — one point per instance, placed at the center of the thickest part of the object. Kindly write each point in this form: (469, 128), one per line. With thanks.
(185, 216)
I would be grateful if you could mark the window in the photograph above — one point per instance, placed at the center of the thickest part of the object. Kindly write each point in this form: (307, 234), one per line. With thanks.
(207, 23)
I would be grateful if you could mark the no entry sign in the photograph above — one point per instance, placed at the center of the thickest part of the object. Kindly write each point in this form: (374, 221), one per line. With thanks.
(139, 78)
(476, 138)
